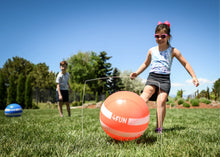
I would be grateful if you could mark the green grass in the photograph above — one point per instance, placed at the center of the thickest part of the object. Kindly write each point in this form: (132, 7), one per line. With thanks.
(187, 132)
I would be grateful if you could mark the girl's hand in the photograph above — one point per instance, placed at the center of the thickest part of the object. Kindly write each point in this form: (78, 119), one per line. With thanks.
(195, 81)
(133, 75)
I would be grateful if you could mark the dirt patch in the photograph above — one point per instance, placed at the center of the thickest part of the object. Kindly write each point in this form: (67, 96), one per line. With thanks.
(92, 106)
(152, 104)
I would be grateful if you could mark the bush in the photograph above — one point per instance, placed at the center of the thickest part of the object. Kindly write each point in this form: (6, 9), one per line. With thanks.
(172, 104)
(186, 104)
(76, 103)
(180, 101)
(34, 106)
(170, 101)
(194, 102)
(204, 100)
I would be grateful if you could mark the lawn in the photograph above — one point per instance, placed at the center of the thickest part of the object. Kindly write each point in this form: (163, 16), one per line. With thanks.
(187, 132)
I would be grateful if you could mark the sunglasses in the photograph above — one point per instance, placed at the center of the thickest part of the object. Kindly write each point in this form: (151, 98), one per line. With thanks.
(162, 36)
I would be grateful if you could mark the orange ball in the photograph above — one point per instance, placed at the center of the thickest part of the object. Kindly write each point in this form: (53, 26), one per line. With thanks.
(124, 116)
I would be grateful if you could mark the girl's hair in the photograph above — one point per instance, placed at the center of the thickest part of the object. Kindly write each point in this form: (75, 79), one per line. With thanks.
(165, 28)
(63, 63)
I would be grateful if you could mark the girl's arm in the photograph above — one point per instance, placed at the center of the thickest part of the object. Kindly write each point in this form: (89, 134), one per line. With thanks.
(142, 67)
(186, 65)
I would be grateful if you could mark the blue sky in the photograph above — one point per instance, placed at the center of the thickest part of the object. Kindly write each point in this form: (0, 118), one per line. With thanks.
(52, 30)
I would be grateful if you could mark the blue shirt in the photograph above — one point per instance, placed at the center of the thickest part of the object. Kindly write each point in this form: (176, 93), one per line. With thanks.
(161, 61)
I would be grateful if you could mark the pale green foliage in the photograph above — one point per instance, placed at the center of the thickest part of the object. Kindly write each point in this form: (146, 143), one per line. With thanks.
(132, 85)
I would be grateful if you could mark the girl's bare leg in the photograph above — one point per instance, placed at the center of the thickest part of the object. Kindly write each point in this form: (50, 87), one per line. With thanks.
(161, 108)
(148, 92)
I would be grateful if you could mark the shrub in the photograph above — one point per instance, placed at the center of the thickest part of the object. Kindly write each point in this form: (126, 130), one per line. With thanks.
(170, 101)
(194, 102)
(204, 100)
(76, 103)
(180, 101)
(186, 104)
(172, 104)
(34, 106)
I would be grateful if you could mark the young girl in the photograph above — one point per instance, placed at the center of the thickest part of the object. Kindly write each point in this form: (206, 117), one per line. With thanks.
(160, 58)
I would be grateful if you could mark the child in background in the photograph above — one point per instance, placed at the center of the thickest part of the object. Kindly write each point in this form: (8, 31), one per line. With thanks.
(62, 88)
(160, 57)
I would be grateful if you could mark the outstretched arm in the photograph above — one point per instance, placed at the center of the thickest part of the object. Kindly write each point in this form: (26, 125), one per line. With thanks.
(142, 67)
(186, 65)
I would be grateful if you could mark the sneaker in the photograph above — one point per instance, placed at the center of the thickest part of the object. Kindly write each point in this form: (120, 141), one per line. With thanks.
(159, 130)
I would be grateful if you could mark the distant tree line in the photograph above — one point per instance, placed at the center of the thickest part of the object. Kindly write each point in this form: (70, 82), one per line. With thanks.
(23, 82)
(20, 79)
(27, 84)
(210, 95)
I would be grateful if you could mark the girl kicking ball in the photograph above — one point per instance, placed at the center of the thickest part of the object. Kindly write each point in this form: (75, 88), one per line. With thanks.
(160, 57)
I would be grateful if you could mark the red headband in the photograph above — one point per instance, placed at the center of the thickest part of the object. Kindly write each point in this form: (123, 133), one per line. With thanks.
(166, 23)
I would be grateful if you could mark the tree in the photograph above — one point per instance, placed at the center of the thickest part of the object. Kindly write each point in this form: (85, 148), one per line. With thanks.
(11, 90)
(179, 94)
(20, 91)
(203, 94)
(217, 87)
(115, 84)
(51, 86)
(197, 94)
(89, 65)
(80, 68)
(214, 94)
(28, 92)
(102, 69)
(42, 80)
(207, 93)
(3, 91)
(16, 66)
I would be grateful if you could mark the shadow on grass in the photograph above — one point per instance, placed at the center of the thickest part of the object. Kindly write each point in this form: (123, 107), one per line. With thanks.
(141, 140)
(147, 138)
(175, 128)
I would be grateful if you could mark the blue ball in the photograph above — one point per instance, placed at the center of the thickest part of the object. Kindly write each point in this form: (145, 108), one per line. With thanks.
(13, 110)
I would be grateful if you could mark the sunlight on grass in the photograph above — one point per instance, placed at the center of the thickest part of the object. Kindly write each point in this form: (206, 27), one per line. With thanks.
(193, 132)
